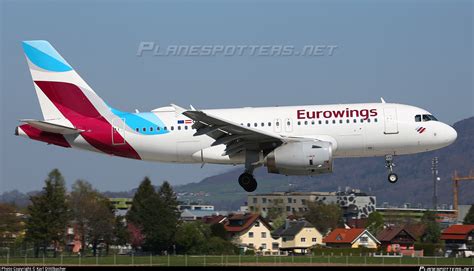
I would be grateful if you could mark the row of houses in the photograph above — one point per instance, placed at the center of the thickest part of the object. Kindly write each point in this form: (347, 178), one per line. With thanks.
(252, 232)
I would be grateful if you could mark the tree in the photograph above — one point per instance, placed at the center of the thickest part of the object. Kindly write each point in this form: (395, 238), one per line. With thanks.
(433, 231)
(10, 224)
(191, 237)
(375, 222)
(324, 216)
(135, 236)
(276, 213)
(121, 235)
(218, 230)
(93, 215)
(48, 214)
(469, 218)
(155, 214)
(144, 192)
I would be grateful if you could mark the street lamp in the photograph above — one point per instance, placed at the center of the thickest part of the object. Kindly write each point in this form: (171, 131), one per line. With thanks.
(434, 170)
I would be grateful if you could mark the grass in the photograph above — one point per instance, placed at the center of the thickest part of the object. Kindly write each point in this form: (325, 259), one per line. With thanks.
(236, 260)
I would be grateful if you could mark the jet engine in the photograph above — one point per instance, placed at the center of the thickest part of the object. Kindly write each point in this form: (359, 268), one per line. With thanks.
(300, 158)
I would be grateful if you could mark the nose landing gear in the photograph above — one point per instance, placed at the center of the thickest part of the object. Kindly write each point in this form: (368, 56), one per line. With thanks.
(392, 177)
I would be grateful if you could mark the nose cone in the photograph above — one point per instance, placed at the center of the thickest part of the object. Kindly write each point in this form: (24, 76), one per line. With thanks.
(450, 134)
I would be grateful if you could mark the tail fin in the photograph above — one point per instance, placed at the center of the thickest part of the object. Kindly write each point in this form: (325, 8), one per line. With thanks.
(61, 92)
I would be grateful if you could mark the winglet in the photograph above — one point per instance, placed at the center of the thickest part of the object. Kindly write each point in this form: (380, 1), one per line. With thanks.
(382, 100)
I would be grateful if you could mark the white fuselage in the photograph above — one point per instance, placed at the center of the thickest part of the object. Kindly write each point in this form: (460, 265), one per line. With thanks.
(376, 129)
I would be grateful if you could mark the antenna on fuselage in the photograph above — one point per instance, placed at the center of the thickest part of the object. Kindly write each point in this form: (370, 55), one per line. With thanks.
(382, 100)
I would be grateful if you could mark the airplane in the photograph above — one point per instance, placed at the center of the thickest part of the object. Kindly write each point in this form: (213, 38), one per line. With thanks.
(288, 140)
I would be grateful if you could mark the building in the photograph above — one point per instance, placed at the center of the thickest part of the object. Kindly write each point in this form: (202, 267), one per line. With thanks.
(354, 203)
(462, 212)
(121, 205)
(393, 215)
(351, 238)
(298, 236)
(193, 215)
(457, 236)
(204, 207)
(397, 240)
(251, 231)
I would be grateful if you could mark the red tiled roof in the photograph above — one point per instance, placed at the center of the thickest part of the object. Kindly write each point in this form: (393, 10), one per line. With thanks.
(248, 221)
(459, 229)
(457, 232)
(211, 220)
(387, 234)
(453, 237)
(343, 235)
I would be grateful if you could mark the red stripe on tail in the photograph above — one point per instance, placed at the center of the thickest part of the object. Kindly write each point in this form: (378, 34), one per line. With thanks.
(76, 107)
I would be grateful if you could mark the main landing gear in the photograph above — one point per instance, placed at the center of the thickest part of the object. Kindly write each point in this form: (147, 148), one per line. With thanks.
(392, 177)
(248, 182)
(246, 179)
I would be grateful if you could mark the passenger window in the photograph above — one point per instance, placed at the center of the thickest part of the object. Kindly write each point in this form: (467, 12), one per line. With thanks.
(263, 124)
(299, 123)
(312, 122)
(137, 129)
(172, 128)
(305, 122)
(361, 120)
(248, 124)
(151, 129)
(340, 121)
(269, 124)
(368, 120)
(333, 121)
(158, 128)
(348, 121)
(165, 128)
(144, 129)
(186, 127)
(417, 118)
(255, 124)
(179, 127)
(327, 121)
(277, 123)
(320, 122)
(375, 120)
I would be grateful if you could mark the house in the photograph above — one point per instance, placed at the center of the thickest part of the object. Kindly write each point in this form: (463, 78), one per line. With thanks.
(457, 236)
(397, 239)
(251, 231)
(298, 236)
(351, 238)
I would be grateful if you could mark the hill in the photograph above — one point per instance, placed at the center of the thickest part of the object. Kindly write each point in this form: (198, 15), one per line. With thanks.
(415, 183)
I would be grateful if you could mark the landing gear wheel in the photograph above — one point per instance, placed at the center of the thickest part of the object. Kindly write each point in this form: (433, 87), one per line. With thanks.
(392, 177)
(248, 182)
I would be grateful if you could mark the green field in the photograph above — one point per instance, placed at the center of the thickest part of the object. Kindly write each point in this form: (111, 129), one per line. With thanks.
(236, 260)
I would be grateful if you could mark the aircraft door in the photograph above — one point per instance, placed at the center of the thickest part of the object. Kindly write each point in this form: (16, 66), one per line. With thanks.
(118, 131)
(390, 120)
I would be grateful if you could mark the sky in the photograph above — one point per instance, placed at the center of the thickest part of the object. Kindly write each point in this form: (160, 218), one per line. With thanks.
(412, 52)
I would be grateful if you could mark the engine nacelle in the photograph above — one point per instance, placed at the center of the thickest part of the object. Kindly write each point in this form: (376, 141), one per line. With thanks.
(301, 158)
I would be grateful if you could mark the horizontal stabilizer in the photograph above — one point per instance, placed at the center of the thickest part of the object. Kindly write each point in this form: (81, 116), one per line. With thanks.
(52, 127)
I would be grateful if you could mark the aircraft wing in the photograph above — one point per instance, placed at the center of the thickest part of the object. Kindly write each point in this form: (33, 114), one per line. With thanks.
(52, 127)
(235, 136)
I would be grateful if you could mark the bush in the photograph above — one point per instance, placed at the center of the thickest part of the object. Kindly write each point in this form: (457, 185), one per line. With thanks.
(250, 252)
(430, 249)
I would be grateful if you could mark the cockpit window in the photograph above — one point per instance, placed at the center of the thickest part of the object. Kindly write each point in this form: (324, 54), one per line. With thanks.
(419, 118)
(429, 117)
